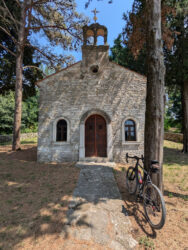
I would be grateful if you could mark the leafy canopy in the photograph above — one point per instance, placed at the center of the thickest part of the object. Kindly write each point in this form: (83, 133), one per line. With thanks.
(47, 24)
(29, 113)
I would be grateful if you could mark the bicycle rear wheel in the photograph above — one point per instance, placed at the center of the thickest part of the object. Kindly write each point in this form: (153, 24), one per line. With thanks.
(131, 180)
(154, 206)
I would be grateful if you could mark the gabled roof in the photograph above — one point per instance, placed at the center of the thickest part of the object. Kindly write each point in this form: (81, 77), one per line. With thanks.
(128, 69)
(56, 73)
(64, 69)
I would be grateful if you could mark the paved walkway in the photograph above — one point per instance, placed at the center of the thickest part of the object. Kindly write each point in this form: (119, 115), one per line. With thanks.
(95, 219)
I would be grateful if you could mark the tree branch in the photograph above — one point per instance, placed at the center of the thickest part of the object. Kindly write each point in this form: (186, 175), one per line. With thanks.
(35, 67)
(54, 26)
(37, 2)
(12, 53)
(17, 1)
(10, 15)
(40, 51)
(8, 33)
(29, 19)
(47, 26)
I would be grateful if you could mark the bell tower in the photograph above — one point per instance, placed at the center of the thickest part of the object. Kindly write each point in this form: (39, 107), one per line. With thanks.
(94, 57)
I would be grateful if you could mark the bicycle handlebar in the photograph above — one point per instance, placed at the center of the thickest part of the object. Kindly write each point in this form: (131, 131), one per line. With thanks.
(134, 157)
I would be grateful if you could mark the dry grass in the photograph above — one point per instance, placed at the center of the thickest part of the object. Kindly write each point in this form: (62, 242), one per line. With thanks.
(175, 167)
(34, 200)
(174, 234)
(32, 140)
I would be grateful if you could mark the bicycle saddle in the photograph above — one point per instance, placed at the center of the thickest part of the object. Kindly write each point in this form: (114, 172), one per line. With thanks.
(154, 162)
(155, 166)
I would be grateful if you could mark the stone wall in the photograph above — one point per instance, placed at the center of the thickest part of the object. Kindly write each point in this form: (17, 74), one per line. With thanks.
(176, 137)
(5, 138)
(24, 136)
(114, 91)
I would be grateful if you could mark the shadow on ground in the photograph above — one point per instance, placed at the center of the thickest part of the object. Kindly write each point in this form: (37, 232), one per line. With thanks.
(174, 194)
(175, 156)
(35, 197)
(27, 153)
(133, 207)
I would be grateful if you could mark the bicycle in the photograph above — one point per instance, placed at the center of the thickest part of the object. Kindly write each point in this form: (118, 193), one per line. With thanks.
(141, 183)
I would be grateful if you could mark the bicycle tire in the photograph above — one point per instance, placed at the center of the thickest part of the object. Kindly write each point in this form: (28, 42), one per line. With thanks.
(131, 180)
(154, 205)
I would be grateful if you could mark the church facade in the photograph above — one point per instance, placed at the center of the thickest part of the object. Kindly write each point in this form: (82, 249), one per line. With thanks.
(93, 110)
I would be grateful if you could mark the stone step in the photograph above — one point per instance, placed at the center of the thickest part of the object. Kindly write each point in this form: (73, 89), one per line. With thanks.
(95, 163)
(95, 159)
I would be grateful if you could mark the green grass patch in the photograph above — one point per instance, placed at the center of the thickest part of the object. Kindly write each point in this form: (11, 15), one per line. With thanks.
(25, 141)
(170, 195)
(147, 243)
(46, 218)
(29, 141)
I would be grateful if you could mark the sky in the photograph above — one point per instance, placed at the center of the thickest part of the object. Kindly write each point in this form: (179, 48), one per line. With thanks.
(109, 15)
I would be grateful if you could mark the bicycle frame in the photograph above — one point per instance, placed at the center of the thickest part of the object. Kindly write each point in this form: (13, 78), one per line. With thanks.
(149, 194)
(146, 179)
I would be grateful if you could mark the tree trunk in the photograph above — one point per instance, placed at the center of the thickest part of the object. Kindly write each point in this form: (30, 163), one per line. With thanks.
(19, 80)
(184, 81)
(154, 117)
(185, 116)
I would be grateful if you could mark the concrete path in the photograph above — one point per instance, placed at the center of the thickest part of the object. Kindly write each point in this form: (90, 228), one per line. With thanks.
(96, 218)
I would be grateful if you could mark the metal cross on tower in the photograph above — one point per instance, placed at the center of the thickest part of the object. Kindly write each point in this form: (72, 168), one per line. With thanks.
(95, 14)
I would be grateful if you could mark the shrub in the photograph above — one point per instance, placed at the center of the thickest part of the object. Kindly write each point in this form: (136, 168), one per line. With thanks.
(29, 113)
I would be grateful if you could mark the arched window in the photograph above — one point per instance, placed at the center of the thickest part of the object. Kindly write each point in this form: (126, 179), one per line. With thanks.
(130, 130)
(61, 134)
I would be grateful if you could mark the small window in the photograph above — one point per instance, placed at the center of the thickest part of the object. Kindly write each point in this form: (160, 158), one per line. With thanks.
(61, 131)
(130, 130)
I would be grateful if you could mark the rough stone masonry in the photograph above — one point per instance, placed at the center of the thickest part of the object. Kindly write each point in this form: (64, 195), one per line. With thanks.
(92, 86)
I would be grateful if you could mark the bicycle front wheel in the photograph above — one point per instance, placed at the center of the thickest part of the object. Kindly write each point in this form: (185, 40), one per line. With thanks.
(131, 180)
(154, 206)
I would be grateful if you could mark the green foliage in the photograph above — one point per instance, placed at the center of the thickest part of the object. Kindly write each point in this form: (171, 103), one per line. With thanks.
(30, 120)
(174, 29)
(6, 113)
(8, 62)
(170, 195)
(176, 62)
(56, 21)
(122, 55)
(29, 113)
(173, 115)
(166, 124)
(147, 243)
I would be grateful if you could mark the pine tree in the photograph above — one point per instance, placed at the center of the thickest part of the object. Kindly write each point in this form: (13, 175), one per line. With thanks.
(7, 61)
(55, 20)
(121, 54)
(174, 34)
(154, 118)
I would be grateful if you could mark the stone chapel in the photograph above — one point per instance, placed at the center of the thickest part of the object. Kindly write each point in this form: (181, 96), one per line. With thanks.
(93, 110)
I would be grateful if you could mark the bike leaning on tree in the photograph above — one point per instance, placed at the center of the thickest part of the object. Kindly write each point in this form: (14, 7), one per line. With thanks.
(139, 182)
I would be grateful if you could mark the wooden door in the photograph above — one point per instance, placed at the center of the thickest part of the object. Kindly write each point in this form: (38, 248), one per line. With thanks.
(95, 136)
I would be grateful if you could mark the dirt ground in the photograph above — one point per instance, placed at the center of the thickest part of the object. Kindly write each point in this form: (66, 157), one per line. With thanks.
(174, 233)
(34, 200)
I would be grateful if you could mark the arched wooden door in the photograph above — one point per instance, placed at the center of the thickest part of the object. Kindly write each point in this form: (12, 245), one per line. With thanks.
(95, 136)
